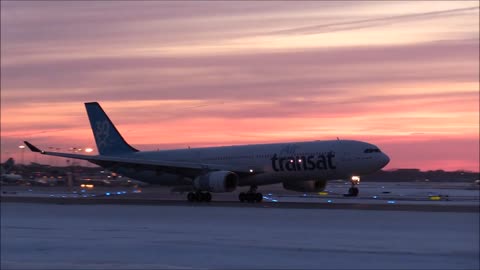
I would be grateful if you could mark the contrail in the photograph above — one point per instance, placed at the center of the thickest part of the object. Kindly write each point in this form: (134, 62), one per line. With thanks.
(350, 25)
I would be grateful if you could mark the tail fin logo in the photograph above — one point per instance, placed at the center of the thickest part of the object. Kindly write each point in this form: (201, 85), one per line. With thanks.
(102, 133)
(108, 139)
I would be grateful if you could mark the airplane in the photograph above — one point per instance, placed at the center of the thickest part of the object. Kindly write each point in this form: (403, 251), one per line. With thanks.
(299, 166)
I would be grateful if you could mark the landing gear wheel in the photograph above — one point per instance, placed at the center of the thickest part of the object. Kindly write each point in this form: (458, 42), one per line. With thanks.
(250, 197)
(258, 197)
(191, 197)
(207, 197)
(198, 196)
(242, 196)
(353, 191)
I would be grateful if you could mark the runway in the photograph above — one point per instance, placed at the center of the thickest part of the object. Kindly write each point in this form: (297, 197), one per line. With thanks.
(100, 236)
(403, 196)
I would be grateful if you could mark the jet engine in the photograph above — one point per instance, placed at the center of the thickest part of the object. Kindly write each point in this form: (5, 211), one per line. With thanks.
(218, 181)
(306, 186)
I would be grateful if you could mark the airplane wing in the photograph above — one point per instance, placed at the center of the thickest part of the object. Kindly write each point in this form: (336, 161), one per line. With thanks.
(188, 169)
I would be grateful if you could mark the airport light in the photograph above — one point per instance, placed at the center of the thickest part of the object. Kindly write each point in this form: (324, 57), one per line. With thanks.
(22, 147)
(87, 186)
(88, 150)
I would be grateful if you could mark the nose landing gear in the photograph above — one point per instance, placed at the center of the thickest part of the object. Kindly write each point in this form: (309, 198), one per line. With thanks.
(353, 190)
(251, 196)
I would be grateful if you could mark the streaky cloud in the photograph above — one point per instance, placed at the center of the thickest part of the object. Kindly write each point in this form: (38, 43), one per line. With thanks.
(336, 71)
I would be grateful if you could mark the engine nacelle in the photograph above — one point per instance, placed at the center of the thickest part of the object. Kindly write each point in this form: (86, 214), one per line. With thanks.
(218, 181)
(306, 186)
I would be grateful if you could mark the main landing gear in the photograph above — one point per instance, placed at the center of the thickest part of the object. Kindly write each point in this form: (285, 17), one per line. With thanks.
(251, 196)
(353, 190)
(199, 196)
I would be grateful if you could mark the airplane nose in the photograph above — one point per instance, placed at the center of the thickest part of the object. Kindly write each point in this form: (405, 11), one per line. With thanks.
(385, 160)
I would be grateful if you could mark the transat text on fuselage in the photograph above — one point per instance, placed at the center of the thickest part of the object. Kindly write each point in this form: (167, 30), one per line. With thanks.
(304, 163)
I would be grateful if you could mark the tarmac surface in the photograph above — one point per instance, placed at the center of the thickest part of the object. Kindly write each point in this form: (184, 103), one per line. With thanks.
(437, 227)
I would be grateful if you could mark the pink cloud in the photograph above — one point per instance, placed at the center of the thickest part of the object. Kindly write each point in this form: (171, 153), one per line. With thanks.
(414, 95)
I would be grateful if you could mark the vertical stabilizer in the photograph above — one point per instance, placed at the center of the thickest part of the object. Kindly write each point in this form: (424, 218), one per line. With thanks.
(108, 139)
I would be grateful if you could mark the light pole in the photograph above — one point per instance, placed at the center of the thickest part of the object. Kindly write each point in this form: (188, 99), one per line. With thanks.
(71, 173)
(88, 150)
(50, 157)
(73, 150)
(22, 149)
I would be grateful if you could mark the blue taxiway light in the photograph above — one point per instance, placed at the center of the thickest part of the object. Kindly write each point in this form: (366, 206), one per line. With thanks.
(273, 200)
(391, 202)
(375, 197)
(108, 193)
(329, 201)
(118, 192)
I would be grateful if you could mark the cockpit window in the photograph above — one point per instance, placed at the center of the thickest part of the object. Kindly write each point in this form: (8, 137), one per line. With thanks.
(372, 150)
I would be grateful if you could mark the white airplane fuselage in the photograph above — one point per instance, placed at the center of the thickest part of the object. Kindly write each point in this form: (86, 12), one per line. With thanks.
(280, 162)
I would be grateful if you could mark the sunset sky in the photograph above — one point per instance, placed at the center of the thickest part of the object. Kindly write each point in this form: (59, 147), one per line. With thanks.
(401, 75)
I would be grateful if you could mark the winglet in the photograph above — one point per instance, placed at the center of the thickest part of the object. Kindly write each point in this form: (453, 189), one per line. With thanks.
(33, 148)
